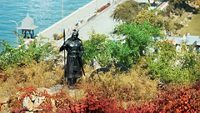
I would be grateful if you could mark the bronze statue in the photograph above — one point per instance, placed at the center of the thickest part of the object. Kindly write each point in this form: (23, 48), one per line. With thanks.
(74, 66)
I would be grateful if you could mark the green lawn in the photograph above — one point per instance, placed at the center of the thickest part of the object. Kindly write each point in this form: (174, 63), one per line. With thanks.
(193, 27)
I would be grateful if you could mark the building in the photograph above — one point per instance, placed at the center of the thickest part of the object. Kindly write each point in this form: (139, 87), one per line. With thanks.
(27, 27)
(191, 42)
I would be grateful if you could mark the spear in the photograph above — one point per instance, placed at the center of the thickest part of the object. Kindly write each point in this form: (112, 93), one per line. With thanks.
(64, 44)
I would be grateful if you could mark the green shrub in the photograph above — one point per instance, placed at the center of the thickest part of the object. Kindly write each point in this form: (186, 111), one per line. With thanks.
(138, 38)
(106, 51)
(11, 56)
(173, 67)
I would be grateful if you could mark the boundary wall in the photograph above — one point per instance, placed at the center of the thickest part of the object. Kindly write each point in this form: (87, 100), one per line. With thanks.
(80, 17)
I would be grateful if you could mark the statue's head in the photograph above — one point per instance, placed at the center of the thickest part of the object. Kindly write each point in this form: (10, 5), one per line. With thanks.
(75, 34)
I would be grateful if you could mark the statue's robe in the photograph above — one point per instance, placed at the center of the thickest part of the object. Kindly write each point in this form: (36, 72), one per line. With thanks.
(73, 67)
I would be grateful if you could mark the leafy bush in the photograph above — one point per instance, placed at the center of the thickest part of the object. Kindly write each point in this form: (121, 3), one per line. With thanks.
(151, 17)
(126, 11)
(138, 36)
(97, 47)
(171, 66)
(172, 99)
(11, 56)
(183, 99)
(105, 51)
(42, 74)
(128, 87)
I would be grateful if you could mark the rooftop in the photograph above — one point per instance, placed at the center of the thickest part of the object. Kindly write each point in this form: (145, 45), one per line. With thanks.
(190, 40)
(27, 23)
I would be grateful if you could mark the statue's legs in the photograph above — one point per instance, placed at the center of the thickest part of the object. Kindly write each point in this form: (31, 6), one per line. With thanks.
(71, 82)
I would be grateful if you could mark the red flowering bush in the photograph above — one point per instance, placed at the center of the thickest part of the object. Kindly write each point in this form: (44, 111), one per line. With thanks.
(178, 100)
(171, 100)
(63, 103)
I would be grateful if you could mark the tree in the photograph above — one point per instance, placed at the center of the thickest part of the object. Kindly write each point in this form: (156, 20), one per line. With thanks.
(106, 51)
(149, 16)
(176, 6)
(170, 66)
(96, 48)
(126, 11)
(14, 57)
(139, 36)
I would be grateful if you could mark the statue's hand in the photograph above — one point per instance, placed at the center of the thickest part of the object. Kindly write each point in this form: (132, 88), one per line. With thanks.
(61, 48)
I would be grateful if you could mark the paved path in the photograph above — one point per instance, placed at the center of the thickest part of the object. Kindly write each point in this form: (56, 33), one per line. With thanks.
(101, 23)
(82, 16)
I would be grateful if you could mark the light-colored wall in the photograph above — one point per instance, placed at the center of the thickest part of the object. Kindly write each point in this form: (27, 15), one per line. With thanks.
(69, 22)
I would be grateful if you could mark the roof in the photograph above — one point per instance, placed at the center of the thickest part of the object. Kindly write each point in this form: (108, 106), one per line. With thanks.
(176, 40)
(190, 40)
(27, 23)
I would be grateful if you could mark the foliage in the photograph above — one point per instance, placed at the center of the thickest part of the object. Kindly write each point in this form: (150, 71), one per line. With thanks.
(169, 25)
(103, 94)
(149, 16)
(122, 87)
(179, 100)
(62, 103)
(170, 66)
(175, 6)
(172, 99)
(126, 11)
(138, 36)
(11, 56)
(197, 2)
(105, 51)
(42, 74)
(97, 47)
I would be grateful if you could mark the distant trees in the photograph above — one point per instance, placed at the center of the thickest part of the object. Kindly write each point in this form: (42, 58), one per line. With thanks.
(149, 16)
(131, 11)
(126, 11)
(178, 6)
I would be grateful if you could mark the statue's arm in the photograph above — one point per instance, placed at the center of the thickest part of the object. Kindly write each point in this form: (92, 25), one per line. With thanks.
(64, 46)
(81, 49)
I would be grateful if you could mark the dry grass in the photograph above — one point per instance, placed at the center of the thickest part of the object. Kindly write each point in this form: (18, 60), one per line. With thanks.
(128, 87)
(193, 26)
(131, 87)
(43, 74)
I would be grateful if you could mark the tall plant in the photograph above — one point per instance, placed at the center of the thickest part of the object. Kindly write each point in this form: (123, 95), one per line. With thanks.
(138, 36)
(172, 67)
(11, 56)
(106, 51)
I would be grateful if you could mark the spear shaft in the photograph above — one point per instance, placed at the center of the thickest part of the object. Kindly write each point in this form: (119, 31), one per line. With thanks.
(64, 44)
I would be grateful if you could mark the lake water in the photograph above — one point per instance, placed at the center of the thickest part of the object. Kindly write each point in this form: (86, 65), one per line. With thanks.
(44, 12)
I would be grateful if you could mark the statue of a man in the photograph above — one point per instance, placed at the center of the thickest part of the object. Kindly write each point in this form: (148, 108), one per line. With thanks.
(74, 66)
